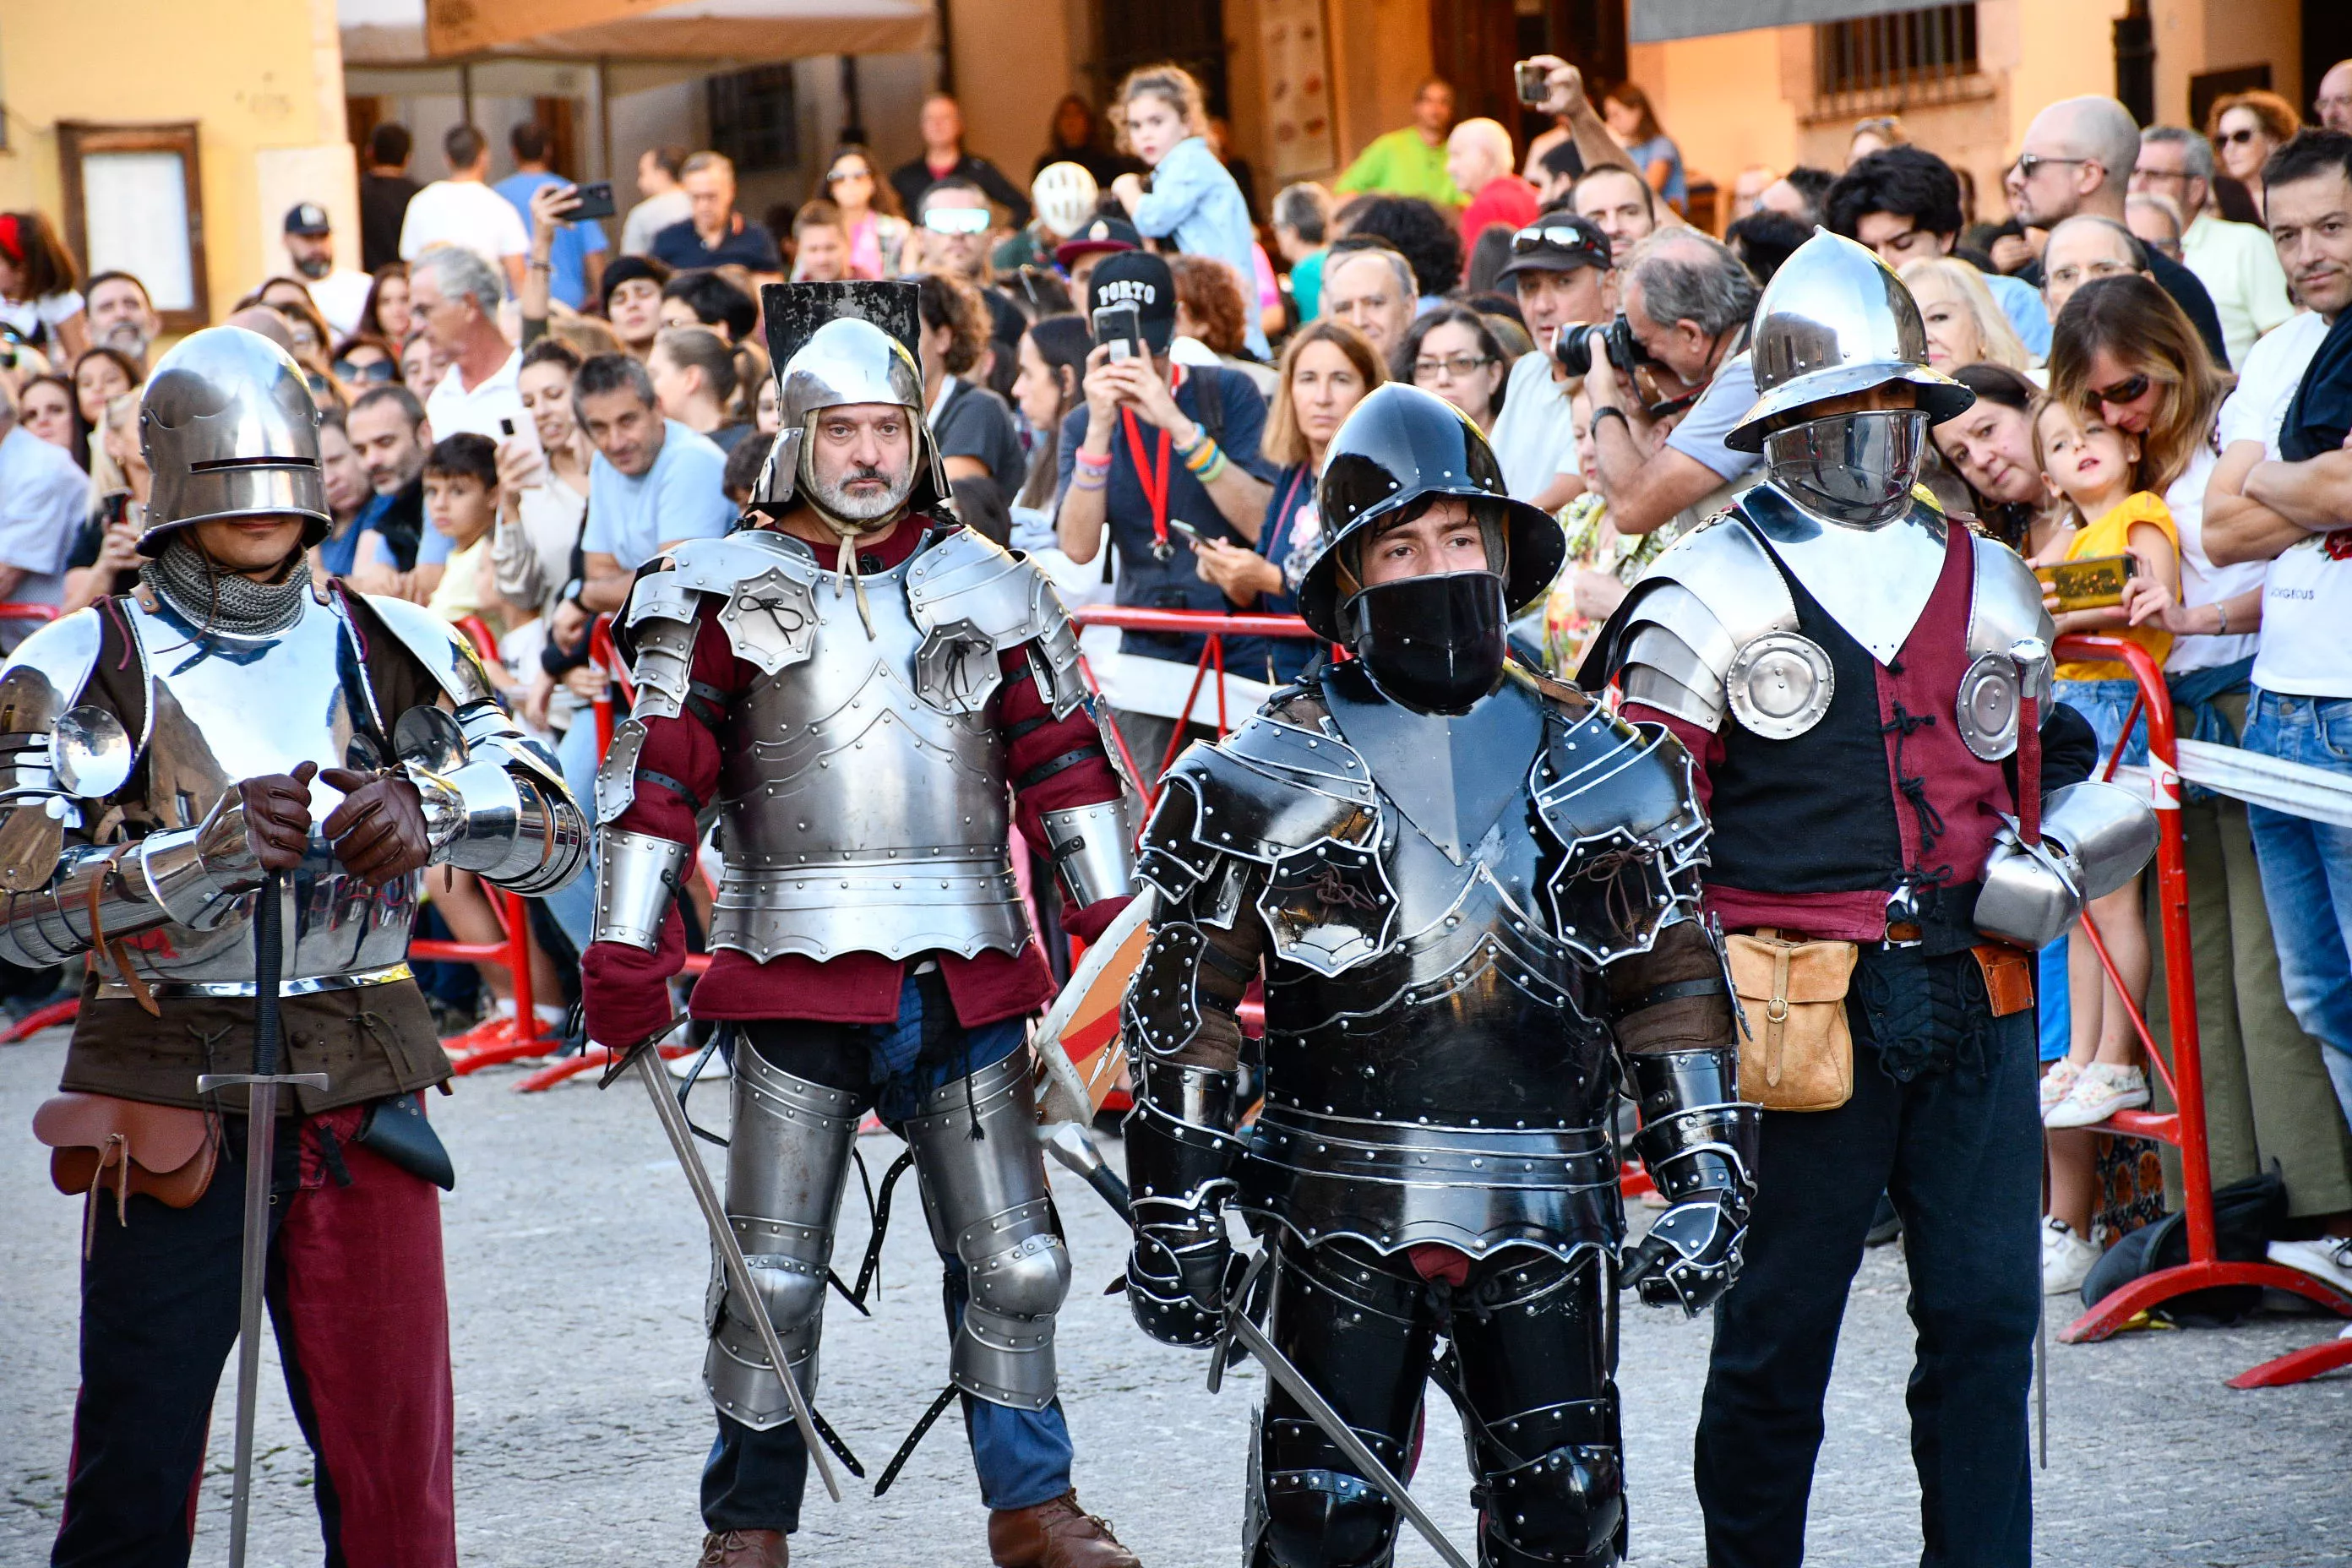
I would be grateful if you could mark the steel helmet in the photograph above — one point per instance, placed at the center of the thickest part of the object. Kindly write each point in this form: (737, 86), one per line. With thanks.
(849, 360)
(1399, 447)
(1835, 321)
(1066, 196)
(229, 429)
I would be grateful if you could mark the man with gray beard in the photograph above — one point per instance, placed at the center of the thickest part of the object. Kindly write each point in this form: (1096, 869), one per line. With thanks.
(852, 680)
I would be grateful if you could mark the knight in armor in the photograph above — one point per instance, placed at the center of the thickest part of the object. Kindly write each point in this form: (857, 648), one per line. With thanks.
(165, 751)
(1471, 895)
(848, 684)
(1854, 674)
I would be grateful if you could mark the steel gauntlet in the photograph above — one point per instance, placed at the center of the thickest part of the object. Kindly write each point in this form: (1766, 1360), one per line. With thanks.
(501, 812)
(2094, 838)
(1698, 1143)
(1180, 1153)
(188, 876)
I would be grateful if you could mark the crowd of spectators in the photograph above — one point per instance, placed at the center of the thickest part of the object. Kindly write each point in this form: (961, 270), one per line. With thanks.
(521, 410)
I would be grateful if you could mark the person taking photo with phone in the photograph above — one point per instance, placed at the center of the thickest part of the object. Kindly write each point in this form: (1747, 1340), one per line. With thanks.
(1157, 445)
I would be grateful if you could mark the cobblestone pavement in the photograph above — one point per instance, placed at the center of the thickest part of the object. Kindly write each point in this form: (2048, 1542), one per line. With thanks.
(576, 1272)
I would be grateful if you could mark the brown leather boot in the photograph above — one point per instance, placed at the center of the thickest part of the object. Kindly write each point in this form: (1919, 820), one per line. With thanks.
(744, 1549)
(1057, 1534)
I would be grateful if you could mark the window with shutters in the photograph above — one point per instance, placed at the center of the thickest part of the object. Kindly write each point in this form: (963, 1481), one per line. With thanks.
(1897, 60)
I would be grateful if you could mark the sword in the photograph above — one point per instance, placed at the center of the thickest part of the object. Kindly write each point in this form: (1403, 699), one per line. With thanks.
(1278, 1366)
(260, 1140)
(648, 1063)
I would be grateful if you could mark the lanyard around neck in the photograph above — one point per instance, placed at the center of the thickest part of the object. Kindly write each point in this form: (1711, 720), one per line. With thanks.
(1154, 483)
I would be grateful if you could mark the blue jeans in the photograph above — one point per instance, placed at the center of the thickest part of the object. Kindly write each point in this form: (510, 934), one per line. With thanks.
(574, 905)
(754, 1480)
(2307, 874)
(2105, 704)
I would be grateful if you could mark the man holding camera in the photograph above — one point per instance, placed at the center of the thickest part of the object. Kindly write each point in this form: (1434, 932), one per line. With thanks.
(1159, 454)
(1559, 270)
(1684, 326)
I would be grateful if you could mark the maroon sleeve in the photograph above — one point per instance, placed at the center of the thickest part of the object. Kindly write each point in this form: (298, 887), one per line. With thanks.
(626, 989)
(1054, 765)
(1705, 746)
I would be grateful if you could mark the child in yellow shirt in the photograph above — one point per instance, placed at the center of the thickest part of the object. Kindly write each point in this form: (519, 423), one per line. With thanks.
(2093, 469)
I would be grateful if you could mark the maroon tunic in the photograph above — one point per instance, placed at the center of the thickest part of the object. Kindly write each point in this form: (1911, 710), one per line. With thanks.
(626, 987)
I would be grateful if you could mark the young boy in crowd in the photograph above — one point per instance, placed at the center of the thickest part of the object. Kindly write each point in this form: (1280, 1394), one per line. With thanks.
(820, 244)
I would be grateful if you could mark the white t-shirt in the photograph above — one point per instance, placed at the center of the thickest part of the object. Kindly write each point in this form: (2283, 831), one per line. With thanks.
(453, 411)
(32, 320)
(341, 296)
(2201, 582)
(1535, 435)
(652, 215)
(2306, 649)
(466, 213)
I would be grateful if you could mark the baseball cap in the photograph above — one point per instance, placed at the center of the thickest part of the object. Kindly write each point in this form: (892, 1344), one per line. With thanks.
(1557, 242)
(1102, 233)
(1140, 279)
(307, 218)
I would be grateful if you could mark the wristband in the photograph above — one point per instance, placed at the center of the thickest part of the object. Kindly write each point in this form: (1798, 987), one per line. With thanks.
(1592, 428)
(1199, 439)
(1084, 479)
(1202, 456)
(2221, 608)
(1087, 460)
(1216, 467)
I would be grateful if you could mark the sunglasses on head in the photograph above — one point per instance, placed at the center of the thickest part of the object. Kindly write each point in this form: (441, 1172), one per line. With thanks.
(956, 220)
(1557, 237)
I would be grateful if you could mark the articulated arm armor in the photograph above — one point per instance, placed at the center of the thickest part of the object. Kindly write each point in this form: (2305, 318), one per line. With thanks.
(1698, 1143)
(1182, 1147)
(492, 803)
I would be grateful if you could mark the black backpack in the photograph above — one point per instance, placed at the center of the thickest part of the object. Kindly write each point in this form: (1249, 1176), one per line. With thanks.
(2247, 1217)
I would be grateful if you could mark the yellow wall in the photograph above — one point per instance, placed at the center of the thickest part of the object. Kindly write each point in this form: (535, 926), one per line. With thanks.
(2193, 37)
(1722, 100)
(2062, 51)
(1012, 63)
(1380, 55)
(248, 72)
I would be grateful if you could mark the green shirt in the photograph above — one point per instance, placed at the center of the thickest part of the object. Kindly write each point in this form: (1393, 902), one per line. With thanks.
(1399, 163)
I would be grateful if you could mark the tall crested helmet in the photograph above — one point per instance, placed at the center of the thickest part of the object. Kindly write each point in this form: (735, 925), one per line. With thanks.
(229, 429)
(837, 344)
(1399, 447)
(1835, 320)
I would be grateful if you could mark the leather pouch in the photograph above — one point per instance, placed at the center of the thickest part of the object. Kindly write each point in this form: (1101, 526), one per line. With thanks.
(395, 1129)
(2008, 976)
(1796, 1048)
(97, 1142)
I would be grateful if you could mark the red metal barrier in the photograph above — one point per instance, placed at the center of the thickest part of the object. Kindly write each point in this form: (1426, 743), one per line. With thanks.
(2182, 1072)
(1212, 625)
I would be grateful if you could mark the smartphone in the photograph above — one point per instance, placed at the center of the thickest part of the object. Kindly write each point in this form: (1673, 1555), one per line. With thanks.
(1121, 328)
(528, 436)
(1191, 535)
(595, 201)
(2093, 583)
(1534, 83)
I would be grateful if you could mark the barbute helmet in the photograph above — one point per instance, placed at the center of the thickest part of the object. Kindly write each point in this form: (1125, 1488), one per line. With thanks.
(844, 358)
(229, 429)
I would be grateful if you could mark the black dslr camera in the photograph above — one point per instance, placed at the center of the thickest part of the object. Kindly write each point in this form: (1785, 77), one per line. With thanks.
(1572, 346)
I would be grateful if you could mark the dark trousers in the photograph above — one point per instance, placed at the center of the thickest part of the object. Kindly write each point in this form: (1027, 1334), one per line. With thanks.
(1961, 1156)
(356, 1298)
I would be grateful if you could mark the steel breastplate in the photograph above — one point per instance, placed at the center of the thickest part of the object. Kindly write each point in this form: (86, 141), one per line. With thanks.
(854, 816)
(1873, 582)
(223, 708)
(1452, 1086)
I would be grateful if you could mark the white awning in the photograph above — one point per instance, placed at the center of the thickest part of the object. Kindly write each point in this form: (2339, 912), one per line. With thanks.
(1662, 21)
(415, 32)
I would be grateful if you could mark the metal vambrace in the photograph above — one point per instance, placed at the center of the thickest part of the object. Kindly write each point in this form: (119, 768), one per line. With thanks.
(504, 820)
(637, 874)
(1094, 849)
(1181, 1154)
(187, 876)
(2094, 837)
(983, 1178)
(1698, 1143)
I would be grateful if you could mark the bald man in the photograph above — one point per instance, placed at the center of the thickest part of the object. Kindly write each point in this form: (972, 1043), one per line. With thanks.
(2335, 101)
(2078, 157)
(2083, 249)
(1478, 162)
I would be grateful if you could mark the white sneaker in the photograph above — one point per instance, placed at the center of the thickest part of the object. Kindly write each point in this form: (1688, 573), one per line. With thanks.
(2066, 1258)
(2328, 1258)
(2099, 1093)
(2056, 1082)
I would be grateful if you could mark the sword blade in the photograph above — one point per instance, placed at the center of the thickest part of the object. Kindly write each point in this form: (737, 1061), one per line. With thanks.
(1310, 1399)
(260, 1140)
(730, 1254)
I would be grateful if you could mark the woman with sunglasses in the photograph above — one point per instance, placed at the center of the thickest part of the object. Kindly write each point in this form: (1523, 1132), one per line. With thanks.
(2246, 128)
(869, 211)
(364, 360)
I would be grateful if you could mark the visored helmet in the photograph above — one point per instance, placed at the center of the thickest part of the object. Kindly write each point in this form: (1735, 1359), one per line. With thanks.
(1433, 641)
(229, 429)
(1835, 319)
